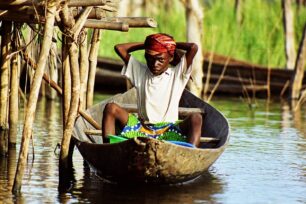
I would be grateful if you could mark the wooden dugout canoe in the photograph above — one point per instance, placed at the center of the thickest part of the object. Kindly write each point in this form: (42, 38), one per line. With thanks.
(145, 160)
(238, 77)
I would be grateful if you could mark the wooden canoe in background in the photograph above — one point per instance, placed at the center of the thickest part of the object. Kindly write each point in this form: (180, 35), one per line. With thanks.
(238, 77)
(145, 160)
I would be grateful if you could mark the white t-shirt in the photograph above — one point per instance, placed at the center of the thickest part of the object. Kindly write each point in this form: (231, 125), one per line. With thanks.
(158, 96)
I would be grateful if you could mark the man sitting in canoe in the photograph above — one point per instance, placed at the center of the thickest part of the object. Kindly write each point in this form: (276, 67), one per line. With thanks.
(159, 88)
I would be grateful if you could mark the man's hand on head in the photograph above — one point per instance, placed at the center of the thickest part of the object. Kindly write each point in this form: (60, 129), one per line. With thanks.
(177, 57)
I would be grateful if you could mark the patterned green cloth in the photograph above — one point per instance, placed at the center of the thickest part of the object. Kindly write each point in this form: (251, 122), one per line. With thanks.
(162, 131)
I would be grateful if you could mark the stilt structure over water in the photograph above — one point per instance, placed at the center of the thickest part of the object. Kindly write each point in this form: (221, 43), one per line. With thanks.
(74, 19)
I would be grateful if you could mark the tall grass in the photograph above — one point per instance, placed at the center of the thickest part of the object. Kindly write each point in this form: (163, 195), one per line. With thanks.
(259, 39)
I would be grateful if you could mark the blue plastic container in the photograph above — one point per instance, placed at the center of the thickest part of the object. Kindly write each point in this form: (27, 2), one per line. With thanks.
(185, 144)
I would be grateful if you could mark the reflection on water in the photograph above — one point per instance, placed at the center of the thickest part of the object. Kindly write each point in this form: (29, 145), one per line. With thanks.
(91, 189)
(264, 163)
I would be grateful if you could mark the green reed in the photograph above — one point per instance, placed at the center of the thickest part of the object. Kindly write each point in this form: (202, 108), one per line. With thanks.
(258, 39)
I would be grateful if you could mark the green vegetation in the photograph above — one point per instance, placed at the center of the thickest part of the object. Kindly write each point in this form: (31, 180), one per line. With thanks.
(259, 39)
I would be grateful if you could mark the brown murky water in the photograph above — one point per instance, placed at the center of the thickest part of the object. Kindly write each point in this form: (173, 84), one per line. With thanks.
(264, 163)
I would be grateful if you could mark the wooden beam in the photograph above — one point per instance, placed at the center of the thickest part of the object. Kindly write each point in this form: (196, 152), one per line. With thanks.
(96, 13)
(101, 24)
(91, 23)
(108, 23)
(134, 22)
(7, 4)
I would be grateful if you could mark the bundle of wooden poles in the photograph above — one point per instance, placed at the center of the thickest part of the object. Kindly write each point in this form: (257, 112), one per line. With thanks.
(73, 18)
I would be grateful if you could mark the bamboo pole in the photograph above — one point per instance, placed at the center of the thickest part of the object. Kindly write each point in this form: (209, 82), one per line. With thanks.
(4, 74)
(297, 78)
(84, 67)
(31, 106)
(93, 57)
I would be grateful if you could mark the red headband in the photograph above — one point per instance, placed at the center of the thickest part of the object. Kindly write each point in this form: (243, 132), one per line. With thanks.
(160, 43)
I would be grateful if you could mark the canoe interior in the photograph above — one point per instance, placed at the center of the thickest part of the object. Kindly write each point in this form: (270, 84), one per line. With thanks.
(214, 124)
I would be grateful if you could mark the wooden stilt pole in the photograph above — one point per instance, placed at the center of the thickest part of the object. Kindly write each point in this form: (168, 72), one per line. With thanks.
(83, 69)
(93, 56)
(87, 117)
(288, 22)
(194, 18)
(14, 100)
(4, 73)
(4, 85)
(66, 82)
(238, 11)
(297, 78)
(3, 143)
(33, 50)
(31, 106)
(68, 22)
(53, 71)
(11, 165)
(75, 79)
(74, 105)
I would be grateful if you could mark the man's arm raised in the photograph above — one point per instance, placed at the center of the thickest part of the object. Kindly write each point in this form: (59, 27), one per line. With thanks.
(124, 50)
(191, 50)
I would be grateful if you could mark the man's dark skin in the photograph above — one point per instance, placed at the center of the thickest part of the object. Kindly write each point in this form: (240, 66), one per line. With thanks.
(157, 63)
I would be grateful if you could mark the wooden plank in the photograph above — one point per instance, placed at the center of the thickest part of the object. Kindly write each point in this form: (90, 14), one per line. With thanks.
(209, 139)
(182, 110)
(93, 132)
